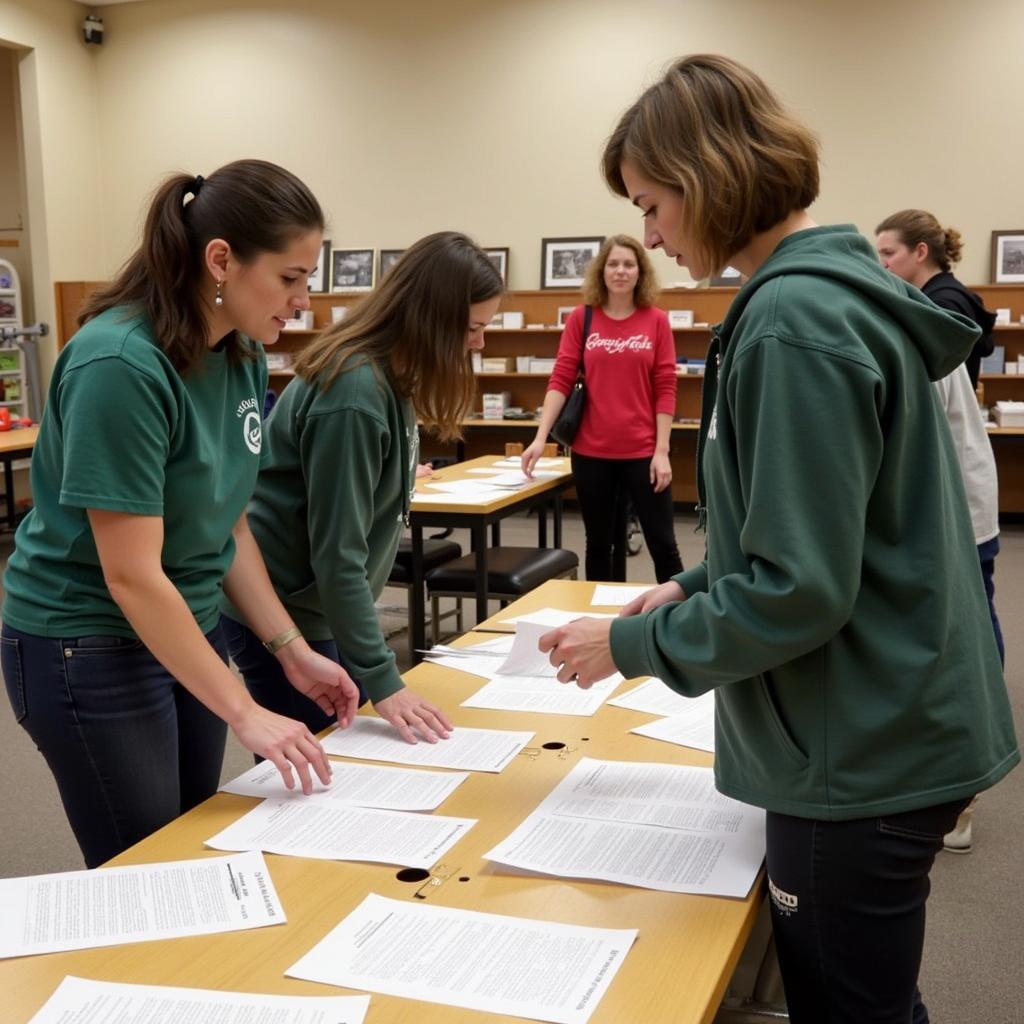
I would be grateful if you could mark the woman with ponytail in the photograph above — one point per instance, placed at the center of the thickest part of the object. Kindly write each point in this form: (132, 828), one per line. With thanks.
(147, 456)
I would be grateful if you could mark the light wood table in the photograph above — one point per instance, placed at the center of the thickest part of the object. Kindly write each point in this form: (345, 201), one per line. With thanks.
(477, 518)
(676, 972)
(572, 595)
(14, 444)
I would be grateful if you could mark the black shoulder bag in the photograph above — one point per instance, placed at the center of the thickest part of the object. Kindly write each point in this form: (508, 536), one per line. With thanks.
(564, 429)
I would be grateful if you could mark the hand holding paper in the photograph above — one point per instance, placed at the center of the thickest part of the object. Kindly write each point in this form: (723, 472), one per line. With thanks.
(581, 651)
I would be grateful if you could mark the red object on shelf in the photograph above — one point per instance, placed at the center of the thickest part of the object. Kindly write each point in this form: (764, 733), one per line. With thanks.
(5, 419)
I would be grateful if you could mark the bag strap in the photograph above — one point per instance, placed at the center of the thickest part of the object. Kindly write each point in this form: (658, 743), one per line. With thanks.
(588, 315)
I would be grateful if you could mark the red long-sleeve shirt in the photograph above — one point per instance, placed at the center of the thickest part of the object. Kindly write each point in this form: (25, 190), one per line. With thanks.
(629, 367)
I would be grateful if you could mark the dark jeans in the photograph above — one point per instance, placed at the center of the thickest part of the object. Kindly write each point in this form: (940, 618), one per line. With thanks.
(603, 485)
(848, 912)
(266, 681)
(987, 556)
(129, 746)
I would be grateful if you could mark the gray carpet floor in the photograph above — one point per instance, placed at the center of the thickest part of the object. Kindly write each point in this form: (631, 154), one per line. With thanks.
(976, 911)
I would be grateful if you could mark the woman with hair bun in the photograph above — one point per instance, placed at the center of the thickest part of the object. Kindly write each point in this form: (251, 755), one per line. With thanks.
(147, 456)
(915, 246)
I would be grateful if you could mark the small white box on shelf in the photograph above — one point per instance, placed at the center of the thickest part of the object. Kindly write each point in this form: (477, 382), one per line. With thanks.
(338, 313)
(1009, 414)
(544, 365)
(1003, 315)
(523, 364)
(680, 318)
(498, 364)
(301, 321)
(512, 321)
(278, 360)
(1011, 369)
(495, 405)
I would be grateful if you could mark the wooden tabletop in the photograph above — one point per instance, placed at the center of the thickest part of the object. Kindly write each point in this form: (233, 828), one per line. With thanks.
(18, 441)
(461, 471)
(676, 972)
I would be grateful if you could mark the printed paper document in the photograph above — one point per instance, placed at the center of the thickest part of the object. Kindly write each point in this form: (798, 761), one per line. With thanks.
(359, 785)
(653, 697)
(325, 831)
(473, 750)
(658, 826)
(694, 727)
(81, 1001)
(112, 906)
(489, 962)
(618, 595)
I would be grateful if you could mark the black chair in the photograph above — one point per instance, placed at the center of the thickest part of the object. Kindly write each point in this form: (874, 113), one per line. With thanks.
(436, 552)
(511, 573)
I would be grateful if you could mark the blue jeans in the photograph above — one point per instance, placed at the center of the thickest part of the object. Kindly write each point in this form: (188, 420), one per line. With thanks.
(848, 912)
(987, 556)
(129, 747)
(266, 681)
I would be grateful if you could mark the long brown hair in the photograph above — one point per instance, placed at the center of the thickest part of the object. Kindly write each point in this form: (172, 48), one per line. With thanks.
(645, 291)
(255, 206)
(713, 130)
(413, 326)
(945, 245)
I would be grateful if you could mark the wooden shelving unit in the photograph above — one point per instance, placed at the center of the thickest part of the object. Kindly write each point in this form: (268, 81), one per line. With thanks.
(709, 306)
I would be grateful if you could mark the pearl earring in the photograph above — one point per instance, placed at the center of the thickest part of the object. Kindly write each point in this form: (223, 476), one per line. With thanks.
(218, 298)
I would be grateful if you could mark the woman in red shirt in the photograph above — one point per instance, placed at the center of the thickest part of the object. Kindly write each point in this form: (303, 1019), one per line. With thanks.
(621, 448)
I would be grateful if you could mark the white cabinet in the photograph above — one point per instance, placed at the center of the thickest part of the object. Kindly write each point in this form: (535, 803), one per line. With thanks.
(13, 392)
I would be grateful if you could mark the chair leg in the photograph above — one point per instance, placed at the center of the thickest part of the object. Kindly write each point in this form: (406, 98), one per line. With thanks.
(434, 619)
(458, 616)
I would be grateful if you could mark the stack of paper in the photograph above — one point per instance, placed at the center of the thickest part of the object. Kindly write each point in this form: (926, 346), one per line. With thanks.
(690, 721)
(659, 826)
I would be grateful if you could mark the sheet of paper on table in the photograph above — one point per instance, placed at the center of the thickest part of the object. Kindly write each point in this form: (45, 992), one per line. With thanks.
(555, 617)
(112, 906)
(477, 659)
(617, 595)
(466, 958)
(474, 750)
(658, 826)
(653, 697)
(83, 1001)
(694, 727)
(325, 831)
(358, 785)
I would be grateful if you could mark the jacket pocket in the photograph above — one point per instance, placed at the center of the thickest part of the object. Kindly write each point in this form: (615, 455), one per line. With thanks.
(786, 741)
(14, 678)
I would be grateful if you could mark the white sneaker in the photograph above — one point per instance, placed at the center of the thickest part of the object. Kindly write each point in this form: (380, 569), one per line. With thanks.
(959, 840)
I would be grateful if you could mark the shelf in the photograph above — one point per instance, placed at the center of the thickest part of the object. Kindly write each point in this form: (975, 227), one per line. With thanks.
(532, 423)
(280, 373)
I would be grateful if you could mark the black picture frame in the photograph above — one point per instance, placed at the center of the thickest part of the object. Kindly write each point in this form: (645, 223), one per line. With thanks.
(498, 255)
(318, 280)
(352, 270)
(563, 261)
(388, 258)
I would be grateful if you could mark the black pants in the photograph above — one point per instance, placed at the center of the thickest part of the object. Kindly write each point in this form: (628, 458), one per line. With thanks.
(603, 485)
(848, 911)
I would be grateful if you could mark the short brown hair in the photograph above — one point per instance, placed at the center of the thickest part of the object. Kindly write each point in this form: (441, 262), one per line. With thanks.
(413, 327)
(255, 206)
(713, 130)
(595, 291)
(945, 245)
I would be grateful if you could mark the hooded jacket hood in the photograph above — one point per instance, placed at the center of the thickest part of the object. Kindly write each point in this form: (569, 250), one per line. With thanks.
(842, 254)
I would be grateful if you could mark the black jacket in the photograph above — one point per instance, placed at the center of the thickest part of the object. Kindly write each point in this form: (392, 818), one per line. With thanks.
(948, 293)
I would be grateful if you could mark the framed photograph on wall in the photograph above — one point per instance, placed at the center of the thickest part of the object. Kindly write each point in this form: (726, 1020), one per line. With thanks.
(388, 258)
(1008, 257)
(351, 270)
(563, 314)
(499, 257)
(728, 278)
(318, 279)
(563, 261)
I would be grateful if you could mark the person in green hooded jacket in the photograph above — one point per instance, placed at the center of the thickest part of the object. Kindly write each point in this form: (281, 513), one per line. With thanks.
(839, 615)
(342, 452)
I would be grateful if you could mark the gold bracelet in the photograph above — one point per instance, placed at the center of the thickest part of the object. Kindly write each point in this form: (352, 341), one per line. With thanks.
(274, 644)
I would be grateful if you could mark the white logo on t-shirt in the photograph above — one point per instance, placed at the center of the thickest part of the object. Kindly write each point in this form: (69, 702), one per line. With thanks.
(252, 431)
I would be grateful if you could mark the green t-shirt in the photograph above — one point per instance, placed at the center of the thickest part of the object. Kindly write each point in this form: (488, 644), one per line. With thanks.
(123, 431)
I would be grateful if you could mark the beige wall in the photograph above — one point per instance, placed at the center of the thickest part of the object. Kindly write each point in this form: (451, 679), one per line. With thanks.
(57, 79)
(409, 117)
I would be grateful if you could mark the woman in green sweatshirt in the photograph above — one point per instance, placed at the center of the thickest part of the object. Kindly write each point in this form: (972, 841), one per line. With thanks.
(839, 615)
(341, 452)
